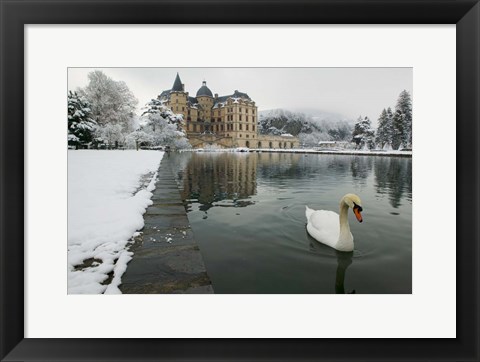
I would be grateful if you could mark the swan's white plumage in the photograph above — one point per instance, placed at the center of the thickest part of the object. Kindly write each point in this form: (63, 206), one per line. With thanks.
(324, 226)
(330, 228)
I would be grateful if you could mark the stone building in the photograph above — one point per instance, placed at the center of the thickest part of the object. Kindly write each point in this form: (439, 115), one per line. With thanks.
(224, 121)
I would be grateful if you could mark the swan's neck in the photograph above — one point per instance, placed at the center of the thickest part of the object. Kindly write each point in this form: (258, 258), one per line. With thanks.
(345, 238)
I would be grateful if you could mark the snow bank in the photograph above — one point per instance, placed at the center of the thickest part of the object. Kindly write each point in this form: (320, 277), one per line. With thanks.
(108, 193)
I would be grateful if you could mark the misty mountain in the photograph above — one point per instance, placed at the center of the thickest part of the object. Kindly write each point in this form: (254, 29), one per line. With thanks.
(311, 126)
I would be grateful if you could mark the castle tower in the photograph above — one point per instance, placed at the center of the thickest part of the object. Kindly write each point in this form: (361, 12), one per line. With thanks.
(205, 100)
(178, 98)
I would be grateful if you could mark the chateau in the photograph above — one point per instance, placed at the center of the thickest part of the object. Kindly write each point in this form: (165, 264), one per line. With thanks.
(224, 121)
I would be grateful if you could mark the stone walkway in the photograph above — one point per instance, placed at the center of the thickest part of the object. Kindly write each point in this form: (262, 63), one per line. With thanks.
(166, 257)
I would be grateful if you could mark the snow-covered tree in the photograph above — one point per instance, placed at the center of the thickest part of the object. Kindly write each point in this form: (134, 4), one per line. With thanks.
(403, 119)
(340, 131)
(308, 139)
(156, 107)
(363, 133)
(80, 122)
(111, 134)
(137, 138)
(164, 126)
(111, 101)
(385, 128)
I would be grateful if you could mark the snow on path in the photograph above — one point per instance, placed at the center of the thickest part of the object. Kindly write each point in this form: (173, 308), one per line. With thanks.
(104, 211)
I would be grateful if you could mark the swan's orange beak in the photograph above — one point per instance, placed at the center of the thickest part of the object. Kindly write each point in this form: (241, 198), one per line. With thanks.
(356, 211)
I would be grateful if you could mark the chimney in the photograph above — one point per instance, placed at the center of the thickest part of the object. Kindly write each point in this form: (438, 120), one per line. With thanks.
(183, 87)
(216, 95)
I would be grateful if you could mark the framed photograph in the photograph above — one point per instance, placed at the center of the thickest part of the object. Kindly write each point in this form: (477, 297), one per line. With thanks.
(214, 252)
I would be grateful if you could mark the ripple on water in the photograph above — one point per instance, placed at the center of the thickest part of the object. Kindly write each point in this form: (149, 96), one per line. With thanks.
(264, 246)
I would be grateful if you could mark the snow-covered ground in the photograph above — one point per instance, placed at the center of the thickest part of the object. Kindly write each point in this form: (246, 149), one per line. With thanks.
(108, 193)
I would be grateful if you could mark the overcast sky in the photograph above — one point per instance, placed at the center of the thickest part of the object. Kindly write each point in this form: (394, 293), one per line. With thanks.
(348, 91)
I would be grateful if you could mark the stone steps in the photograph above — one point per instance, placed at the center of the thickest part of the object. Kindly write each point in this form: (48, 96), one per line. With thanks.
(166, 257)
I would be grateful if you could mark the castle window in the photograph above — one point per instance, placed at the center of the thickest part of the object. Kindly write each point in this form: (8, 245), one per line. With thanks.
(240, 135)
(176, 101)
(246, 127)
(247, 136)
(240, 127)
(253, 128)
(240, 117)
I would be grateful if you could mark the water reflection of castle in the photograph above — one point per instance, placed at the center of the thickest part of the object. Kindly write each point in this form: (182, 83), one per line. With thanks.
(229, 177)
(214, 177)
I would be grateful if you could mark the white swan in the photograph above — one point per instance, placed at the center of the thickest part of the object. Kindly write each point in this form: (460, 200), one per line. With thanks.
(332, 229)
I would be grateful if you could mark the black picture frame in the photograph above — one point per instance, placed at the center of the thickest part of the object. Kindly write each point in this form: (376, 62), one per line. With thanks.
(15, 14)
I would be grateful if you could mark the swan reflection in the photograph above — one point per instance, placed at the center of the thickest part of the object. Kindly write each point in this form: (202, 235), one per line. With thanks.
(344, 260)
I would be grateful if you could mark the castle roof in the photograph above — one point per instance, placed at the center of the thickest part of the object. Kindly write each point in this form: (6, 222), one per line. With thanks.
(235, 96)
(193, 102)
(204, 91)
(177, 85)
(165, 93)
(238, 94)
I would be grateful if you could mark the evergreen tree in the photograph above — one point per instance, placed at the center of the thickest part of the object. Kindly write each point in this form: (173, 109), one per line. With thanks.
(398, 130)
(403, 119)
(384, 129)
(80, 122)
(363, 133)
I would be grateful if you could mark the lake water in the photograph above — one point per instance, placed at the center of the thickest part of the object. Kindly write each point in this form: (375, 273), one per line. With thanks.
(247, 211)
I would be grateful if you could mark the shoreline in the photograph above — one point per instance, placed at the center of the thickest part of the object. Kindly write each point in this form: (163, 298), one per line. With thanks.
(309, 151)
